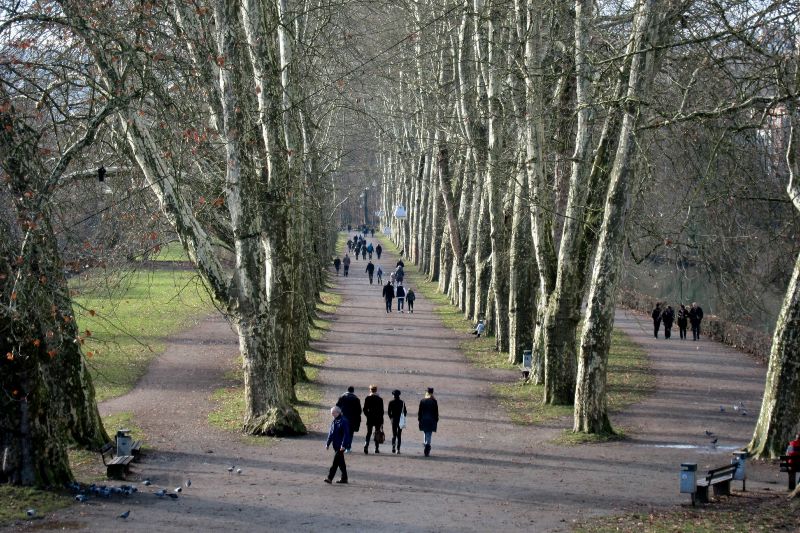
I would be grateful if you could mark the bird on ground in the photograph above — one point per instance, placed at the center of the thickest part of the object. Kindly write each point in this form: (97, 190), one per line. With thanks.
(714, 441)
(125, 515)
(178, 489)
(721, 409)
(238, 470)
(744, 412)
(160, 493)
(231, 468)
(31, 512)
(709, 433)
(147, 482)
(173, 496)
(188, 483)
(735, 407)
(81, 498)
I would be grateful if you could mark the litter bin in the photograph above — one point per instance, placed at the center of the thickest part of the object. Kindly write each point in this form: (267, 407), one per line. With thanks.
(124, 442)
(689, 479)
(740, 460)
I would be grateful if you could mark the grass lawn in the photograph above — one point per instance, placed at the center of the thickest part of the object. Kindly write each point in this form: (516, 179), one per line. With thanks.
(128, 314)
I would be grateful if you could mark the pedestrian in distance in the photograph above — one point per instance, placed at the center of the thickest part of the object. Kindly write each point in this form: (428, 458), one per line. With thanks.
(350, 405)
(379, 251)
(683, 321)
(479, 329)
(400, 294)
(400, 263)
(364, 251)
(338, 435)
(428, 418)
(656, 314)
(379, 273)
(337, 263)
(350, 245)
(370, 271)
(399, 274)
(397, 415)
(370, 249)
(695, 317)
(410, 297)
(388, 295)
(349, 227)
(373, 412)
(346, 264)
(668, 316)
(392, 277)
(372, 233)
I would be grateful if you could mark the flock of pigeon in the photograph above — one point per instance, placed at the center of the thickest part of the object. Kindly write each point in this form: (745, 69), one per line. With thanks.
(83, 492)
(740, 408)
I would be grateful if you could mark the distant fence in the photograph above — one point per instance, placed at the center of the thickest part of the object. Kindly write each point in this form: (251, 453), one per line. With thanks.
(740, 337)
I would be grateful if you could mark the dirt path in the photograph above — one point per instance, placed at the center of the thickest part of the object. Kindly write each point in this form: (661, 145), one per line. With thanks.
(484, 473)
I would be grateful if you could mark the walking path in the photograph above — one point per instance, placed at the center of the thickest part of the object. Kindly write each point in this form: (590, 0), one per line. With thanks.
(484, 474)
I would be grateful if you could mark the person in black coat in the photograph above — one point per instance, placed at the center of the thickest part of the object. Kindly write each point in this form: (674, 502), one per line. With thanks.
(370, 271)
(428, 418)
(337, 263)
(695, 316)
(656, 314)
(388, 295)
(668, 316)
(397, 407)
(373, 412)
(339, 436)
(379, 250)
(683, 321)
(351, 409)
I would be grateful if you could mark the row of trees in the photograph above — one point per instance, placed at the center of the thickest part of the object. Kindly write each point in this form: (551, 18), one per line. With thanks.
(534, 144)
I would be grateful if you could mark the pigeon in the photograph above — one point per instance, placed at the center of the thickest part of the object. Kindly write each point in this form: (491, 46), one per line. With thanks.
(160, 493)
(709, 433)
(31, 512)
(238, 470)
(188, 483)
(178, 489)
(721, 409)
(714, 441)
(125, 515)
(735, 407)
(147, 482)
(173, 496)
(231, 468)
(81, 498)
(744, 412)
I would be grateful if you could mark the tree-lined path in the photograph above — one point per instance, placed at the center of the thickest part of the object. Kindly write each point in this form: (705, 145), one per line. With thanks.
(484, 473)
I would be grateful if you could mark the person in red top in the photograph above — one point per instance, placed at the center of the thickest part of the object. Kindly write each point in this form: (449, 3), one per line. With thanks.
(794, 449)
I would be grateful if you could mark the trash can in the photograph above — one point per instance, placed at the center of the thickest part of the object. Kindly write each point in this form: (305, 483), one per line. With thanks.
(527, 359)
(740, 460)
(124, 442)
(688, 478)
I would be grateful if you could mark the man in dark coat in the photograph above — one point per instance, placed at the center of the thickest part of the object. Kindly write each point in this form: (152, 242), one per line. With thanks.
(428, 418)
(346, 264)
(395, 410)
(373, 412)
(695, 316)
(388, 295)
(379, 250)
(339, 436)
(668, 316)
(683, 321)
(656, 314)
(336, 264)
(351, 409)
(370, 271)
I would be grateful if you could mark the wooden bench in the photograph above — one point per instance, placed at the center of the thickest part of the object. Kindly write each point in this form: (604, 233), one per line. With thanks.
(118, 466)
(136, 450)
(718, 478)
(792, 469)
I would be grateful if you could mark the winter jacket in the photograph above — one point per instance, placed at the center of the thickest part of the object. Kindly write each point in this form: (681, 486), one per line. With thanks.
(396, 408)
(351, 409)
(336, 263)
(388, 292)
(656, 314)
(428, 414)
(399, 274)
(373, 410)
(370, 249)
(370, 268)
(400, 292)
(793, 450)
(379, 249)
(410, 296)
(668, 316)
(339, 434)
(346, 261)
(683, 318)
(695, 315)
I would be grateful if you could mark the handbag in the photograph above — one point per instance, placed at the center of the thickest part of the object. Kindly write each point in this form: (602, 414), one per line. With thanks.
(402, 424)
(380, 436)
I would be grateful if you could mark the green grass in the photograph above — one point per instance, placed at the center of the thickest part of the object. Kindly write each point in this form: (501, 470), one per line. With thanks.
(128, 315)
(172, 251)
(744, 512)
(329, 301)
(14, 501)
(87, 466)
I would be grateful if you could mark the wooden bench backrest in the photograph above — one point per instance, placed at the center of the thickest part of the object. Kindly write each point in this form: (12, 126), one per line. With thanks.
(723, 471)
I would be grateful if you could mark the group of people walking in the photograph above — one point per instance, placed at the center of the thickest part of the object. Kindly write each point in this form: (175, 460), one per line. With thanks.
(347, 421)
(394, 289)
(692, 315)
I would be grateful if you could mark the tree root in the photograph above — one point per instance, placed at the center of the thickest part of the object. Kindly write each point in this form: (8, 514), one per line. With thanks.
(276, 422)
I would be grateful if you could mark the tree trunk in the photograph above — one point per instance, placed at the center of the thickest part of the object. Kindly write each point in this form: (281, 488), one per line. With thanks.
(521, 281)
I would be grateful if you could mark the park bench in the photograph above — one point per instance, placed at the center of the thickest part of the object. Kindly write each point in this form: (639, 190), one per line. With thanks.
(792, 469)
(718, 478)
(118, 466)
(136, 450)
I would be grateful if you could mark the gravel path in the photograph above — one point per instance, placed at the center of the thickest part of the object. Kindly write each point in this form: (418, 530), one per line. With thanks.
(484, 473)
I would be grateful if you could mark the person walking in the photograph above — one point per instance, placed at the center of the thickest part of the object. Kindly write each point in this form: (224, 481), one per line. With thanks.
(370, 271)
(428, 418)
(388, 295)
(392, 278)
(358, 249)
(400, 294)
(668, 316)
(695, 316)
(338, 435)
(372, 232)
(656, 314)
(364, 250)
(346, 264)
(379, 251)
(683, 321)
(373, 412)
(370, 249)
(337, 263)
(379, 272)
(350, 405)
(399, 274)
(397, 415)
(410, 297)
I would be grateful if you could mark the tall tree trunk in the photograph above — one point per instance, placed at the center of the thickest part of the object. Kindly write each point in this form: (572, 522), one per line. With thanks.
(521, 283)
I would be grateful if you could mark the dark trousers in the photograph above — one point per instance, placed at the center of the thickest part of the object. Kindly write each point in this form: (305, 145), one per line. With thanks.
(695, 330)
(410, 304)
(656, 327)
(379, 254)
(338, 462)
(346, 270)
(682, 331)
(667, 330)
(369, 434)
(370, 278)
(400, 300)
(337, 271)
(396, 434)
(388, 305)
